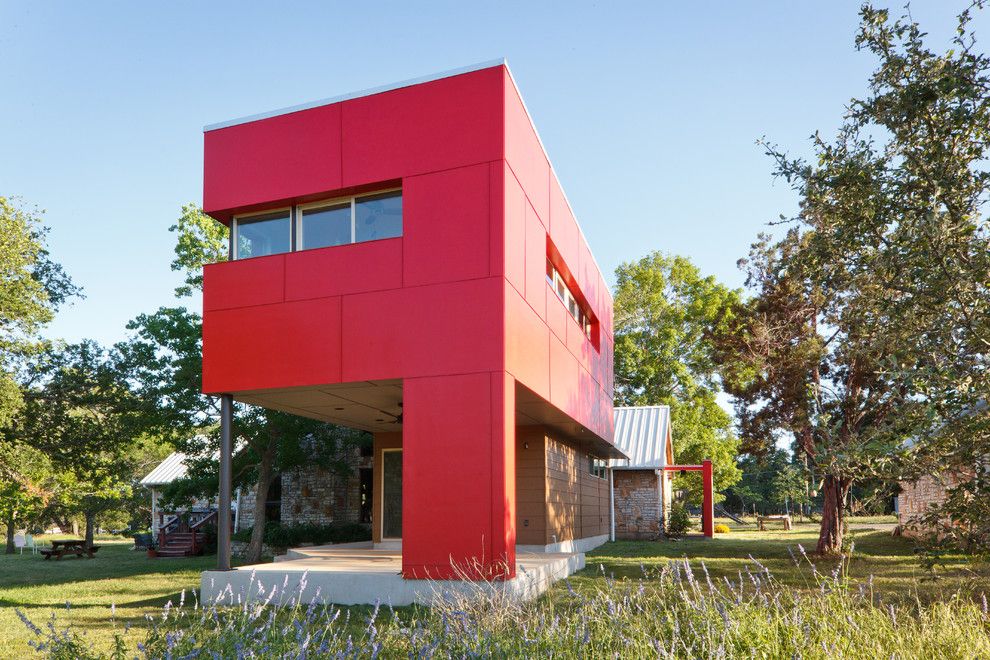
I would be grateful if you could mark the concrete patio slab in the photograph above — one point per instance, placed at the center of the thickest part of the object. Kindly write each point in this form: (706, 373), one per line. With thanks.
(358, 574)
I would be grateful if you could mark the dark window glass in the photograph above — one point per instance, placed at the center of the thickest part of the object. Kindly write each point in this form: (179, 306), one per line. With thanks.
(263, 234)
(326, 226)
(378, 216)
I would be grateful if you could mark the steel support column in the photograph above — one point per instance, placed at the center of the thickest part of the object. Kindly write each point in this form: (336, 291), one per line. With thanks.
(226, 458)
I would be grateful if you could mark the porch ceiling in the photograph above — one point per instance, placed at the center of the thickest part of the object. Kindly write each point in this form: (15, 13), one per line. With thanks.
(369, 405)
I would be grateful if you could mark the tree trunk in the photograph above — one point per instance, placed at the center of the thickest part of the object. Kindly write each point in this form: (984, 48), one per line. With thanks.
(90, 527)
(10, 534)
(833, 515)
(265, 470)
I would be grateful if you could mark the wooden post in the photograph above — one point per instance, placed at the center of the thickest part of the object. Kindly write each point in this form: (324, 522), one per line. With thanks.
(226, 460)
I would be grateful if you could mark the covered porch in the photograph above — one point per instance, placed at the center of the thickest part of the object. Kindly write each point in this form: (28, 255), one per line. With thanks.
(360, 573)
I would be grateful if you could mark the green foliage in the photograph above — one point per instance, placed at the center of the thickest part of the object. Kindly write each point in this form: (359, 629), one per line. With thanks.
(870, 322)
(80, 415)
(32, 287)
(163, 362)
(199, 240)
(288, 536)
(678, 520)
(666, 314)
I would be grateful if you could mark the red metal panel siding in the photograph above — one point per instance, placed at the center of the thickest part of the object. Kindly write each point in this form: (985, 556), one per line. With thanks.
(272, 159)
(524, 153)
(344, 269)
(423, 331)
(434, 126)
(453, 495)
(294, 343)
(536, 263)
(244, 283)
(527, 344)
(515, 233)
(446, 224)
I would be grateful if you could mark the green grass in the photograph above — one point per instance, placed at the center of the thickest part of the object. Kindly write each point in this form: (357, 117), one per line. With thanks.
(118, 576)
(890, 561)
(138, 586)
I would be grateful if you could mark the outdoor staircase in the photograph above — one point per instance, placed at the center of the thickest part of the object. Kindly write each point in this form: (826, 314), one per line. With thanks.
(181, 538)
(182, 544)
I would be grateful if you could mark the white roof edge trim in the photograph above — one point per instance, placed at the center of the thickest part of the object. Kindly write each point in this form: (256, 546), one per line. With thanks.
(354, 95)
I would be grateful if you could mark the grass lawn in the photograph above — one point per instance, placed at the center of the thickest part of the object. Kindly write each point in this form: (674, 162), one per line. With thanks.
(117, 576)
(138, 586)
(890, 560)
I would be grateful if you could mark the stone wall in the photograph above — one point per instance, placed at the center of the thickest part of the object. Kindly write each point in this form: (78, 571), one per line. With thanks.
(315, 495)
(917, 496)
(637, 504)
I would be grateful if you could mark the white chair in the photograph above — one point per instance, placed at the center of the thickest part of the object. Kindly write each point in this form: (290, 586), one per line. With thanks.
(20, 541)
(30, 543)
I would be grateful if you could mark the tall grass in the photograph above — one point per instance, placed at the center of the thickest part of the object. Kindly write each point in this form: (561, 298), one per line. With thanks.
(675, 611)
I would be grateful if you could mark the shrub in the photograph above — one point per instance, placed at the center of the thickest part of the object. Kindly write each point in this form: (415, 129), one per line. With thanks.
(278, 535)
(722, 528)
(678, 521)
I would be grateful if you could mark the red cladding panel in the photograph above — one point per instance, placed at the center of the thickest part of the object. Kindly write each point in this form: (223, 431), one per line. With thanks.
(242, 283)
(272, 159)
(423, 331)
(453, 496)
(557, 315)
(564, 380)
(446, 226)
(434, 126)
(527, 344)
(536, 263)
(524, 152)
(515, 233)
(271, 346)
(344, 269)
(564, 229)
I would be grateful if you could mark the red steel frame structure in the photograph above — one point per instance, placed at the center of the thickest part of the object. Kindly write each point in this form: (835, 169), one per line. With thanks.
(457, 311)
(707, 499)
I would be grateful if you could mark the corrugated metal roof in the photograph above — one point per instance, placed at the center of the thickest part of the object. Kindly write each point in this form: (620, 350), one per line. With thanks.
(172, 468)
(641, 432)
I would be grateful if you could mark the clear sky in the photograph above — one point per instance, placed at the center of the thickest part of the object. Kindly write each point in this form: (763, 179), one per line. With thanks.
(650, 111)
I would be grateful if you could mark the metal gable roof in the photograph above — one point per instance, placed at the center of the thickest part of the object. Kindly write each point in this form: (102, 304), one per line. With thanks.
(172, 468)
(641, 432)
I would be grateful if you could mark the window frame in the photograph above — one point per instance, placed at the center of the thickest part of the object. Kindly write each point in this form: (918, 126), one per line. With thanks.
(296, 212)
(583, 317)
(235, 222)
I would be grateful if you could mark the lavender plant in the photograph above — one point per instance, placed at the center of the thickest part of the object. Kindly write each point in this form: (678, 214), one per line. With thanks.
(677, 611)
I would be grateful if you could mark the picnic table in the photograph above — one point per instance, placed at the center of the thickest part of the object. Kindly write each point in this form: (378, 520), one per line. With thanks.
(763, 520)
(76, 547)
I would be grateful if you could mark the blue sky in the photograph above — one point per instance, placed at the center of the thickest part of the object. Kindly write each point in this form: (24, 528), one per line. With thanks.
(649, 111)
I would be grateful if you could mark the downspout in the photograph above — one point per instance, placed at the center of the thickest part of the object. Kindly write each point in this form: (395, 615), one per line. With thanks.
(611, 505)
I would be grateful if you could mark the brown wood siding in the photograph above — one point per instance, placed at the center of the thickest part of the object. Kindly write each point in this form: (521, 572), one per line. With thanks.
(392, 440)
(577, 501)
(531, 507)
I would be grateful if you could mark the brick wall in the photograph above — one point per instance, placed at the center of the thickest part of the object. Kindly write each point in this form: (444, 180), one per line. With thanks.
(637, 504)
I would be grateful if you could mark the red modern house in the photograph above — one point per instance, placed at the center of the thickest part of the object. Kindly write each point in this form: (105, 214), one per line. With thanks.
(404, 261)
